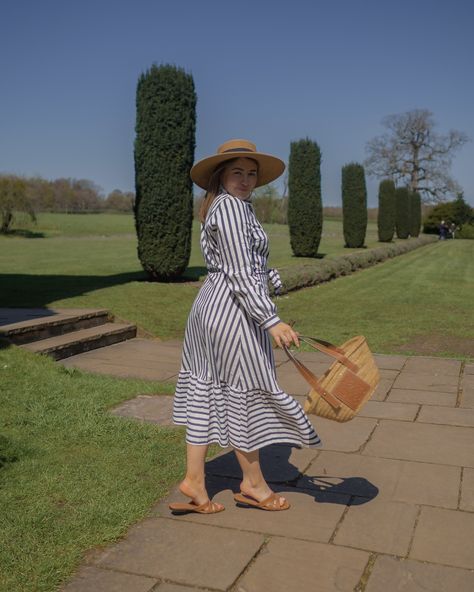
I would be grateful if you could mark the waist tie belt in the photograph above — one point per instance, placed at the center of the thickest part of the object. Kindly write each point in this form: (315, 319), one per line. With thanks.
(275, 280)
(272, 275)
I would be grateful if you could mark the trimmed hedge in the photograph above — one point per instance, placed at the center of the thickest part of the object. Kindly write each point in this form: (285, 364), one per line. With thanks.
(311, 274)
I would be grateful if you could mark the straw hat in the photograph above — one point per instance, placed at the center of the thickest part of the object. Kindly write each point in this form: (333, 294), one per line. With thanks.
(269, 167)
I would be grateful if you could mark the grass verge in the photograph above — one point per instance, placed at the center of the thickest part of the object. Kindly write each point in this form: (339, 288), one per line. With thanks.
(72, 476)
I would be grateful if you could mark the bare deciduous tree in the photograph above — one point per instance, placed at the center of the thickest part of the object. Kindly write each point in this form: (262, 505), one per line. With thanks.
(412, 154)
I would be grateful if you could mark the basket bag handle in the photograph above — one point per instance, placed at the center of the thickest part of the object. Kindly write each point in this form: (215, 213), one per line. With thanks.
(329, 349)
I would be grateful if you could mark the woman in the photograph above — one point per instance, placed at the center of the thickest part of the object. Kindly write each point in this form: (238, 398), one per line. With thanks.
(227, 390)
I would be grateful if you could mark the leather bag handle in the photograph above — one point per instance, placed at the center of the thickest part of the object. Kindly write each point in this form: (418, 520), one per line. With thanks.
(331, 350)
(312, 380)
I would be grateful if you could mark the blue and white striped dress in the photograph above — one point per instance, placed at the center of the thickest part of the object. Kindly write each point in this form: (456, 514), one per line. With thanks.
(227, 390)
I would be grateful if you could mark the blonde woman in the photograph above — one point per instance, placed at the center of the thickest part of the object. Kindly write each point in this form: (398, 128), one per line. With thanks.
(227, 392)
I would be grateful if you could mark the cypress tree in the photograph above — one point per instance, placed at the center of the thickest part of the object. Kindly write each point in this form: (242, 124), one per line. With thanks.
(164, 154)
(354, 205)
(386, 213)
(402, 200)
(305, 211)
(415, 213)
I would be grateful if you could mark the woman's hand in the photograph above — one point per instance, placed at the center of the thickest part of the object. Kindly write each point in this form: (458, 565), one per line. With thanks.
(284, 334)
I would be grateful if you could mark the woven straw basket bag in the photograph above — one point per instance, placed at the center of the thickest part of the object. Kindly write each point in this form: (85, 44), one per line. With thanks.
(348, 383)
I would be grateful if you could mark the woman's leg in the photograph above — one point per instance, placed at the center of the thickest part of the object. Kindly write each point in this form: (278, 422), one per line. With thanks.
(253, 482)
(194, 483)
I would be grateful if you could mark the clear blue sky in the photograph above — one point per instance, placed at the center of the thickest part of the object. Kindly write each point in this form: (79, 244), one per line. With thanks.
(271, 71)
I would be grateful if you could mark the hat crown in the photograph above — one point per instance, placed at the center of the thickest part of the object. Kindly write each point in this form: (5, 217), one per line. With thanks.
(236, 146)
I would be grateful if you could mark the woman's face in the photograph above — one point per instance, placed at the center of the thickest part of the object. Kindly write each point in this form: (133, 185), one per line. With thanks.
(240, 177)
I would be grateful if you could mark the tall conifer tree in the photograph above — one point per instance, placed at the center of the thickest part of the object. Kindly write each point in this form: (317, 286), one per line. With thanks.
(164, 154)
(354, 205)
(305, 210)
(402, 199)
(415, 213)
(386, 216)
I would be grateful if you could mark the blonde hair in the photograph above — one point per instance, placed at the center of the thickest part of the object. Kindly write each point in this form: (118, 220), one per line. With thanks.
(214, 186)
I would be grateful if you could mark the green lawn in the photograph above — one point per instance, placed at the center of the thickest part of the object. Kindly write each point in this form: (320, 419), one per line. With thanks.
(73, 476)
(419, 303)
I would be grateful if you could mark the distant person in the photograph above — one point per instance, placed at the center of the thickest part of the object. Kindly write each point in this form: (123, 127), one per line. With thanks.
(452, 229)
(443, 230)
(227, 390)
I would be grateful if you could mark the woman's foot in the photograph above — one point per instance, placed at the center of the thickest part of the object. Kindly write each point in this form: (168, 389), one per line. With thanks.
(260, 492)
(198, 494)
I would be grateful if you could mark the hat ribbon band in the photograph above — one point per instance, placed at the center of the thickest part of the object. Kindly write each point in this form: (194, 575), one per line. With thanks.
(238, 150)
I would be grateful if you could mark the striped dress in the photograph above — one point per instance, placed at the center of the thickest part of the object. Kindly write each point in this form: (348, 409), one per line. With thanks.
(227, 390)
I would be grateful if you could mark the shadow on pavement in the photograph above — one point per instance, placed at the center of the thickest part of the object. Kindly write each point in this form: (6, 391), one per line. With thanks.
(223, 472)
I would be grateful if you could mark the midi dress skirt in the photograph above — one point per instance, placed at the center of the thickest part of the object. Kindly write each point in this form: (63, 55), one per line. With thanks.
(227, 392)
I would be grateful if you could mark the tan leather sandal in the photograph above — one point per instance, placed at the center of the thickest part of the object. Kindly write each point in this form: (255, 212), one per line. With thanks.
(205, 508)
(271, 503)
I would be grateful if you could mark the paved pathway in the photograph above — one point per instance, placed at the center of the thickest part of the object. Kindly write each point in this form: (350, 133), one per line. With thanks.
(387, 504)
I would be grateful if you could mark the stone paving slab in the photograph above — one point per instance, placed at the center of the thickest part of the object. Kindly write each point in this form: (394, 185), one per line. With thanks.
(389, 362)
(135, 358)
(445, 383)
(90, 578)
(387, 410)
(437, 444)
(467, 385)
(467, 491)
(286, 565)
(422, 397)
(167, 587)
(161, 373)
(433, 366)
(382, 390)
(390, 374)
(390, 574)
(343, 437)
(185, 553)
(441, 415)
(152, 408)
(445, 537)
(311, 517)
(12, 318)
(387, 479)
(469, 369)
(382, 526)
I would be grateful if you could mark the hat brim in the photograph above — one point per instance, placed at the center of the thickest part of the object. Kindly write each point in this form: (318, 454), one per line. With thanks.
(269, 167)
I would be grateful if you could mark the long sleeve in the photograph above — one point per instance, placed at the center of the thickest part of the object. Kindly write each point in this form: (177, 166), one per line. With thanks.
(232, 218)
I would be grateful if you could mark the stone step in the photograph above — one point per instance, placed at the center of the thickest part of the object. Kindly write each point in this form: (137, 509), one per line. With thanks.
(21, 326)
(83, 340)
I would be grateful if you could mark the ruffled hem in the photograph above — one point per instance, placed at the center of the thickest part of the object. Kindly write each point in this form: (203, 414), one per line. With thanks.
(246, 420)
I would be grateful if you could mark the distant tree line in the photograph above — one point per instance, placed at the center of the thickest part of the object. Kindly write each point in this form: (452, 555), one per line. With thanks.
(70, 196)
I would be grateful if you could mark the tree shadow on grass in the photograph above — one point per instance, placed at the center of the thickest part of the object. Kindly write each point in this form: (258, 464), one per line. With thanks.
(223, 472)
(24, 233)
(28, 290)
